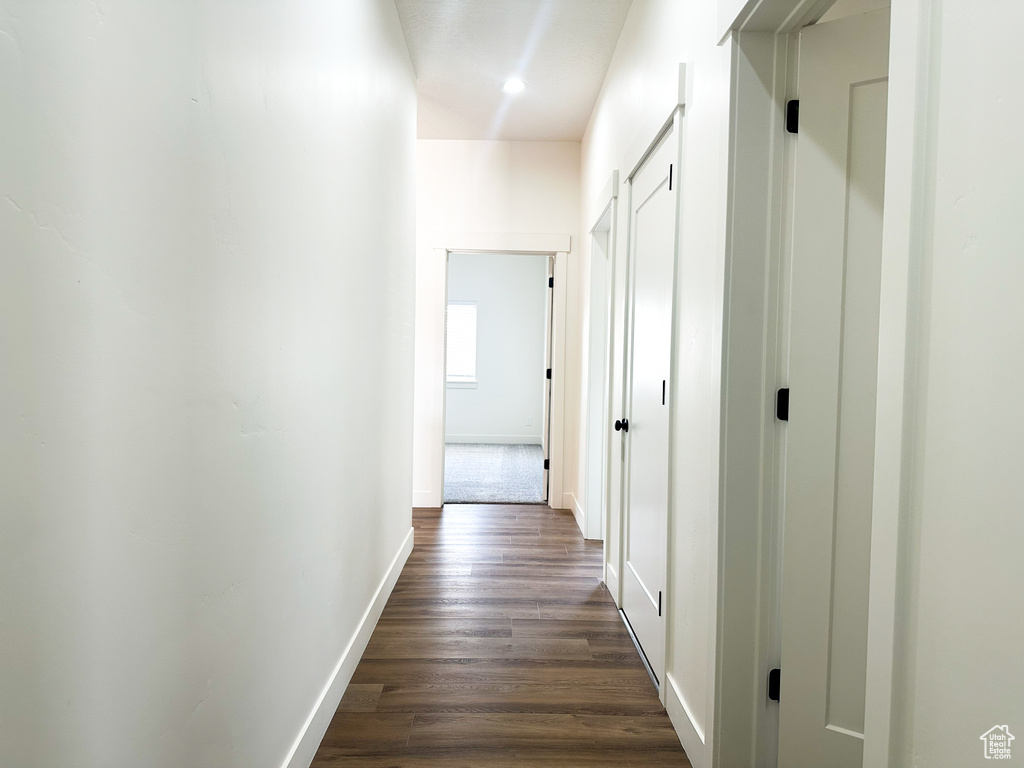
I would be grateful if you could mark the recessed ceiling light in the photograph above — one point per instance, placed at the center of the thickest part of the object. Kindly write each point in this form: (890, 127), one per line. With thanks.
(513, 85)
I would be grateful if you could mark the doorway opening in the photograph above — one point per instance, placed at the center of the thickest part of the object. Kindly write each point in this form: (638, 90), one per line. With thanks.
(497, 378)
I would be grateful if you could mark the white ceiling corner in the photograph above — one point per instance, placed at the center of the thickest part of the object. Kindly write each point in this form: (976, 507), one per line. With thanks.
(464, 49)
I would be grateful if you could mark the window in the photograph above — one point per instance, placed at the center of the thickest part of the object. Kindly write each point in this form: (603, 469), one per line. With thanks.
(461, 351)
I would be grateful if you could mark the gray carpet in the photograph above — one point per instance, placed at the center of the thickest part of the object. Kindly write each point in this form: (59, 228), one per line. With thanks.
(478, 473)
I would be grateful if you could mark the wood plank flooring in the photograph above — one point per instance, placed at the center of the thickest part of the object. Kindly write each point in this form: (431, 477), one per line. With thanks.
(500, 648)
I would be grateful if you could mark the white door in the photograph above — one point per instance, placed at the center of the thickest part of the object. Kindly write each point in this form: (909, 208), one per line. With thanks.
(652, 256)
(837, 234)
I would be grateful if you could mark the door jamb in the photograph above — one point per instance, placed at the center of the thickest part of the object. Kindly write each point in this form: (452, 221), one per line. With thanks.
(557, 246)
(607, 202)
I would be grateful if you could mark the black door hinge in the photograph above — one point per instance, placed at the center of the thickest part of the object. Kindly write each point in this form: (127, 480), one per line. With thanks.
(670, 177)
(793, 115)
(774, 681)
(547, 463)
(549, 373)
(551, 282)
(659, 602)
(782, 404)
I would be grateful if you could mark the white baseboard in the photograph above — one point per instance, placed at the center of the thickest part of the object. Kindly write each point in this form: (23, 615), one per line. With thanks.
(426, 499)
(691, 738)
(495, 439)
(611, 580)
(569, 502)
(304, 749)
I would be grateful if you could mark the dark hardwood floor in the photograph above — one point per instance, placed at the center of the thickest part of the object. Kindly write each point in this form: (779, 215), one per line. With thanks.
(500, 647)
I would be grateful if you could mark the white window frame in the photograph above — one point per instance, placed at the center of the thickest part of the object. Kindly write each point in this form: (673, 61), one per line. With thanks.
(463, 381)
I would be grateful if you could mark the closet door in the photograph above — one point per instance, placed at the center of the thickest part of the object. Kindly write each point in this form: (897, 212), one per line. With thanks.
(646, 428)
(836, 272)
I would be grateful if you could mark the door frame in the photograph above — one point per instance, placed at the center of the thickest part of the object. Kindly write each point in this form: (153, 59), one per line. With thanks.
(607, 203)
(557, 247)
(668, 108)
(670, 130)
(747, 644)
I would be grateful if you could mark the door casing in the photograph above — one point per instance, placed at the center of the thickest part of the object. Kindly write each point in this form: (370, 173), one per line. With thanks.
(654, 132)
(607, 214)
(598, 417)
(665, 111)
(651, 344)
(557, 247)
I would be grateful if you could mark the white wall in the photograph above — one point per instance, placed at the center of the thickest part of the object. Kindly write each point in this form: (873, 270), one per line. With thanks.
(507, 403)
(484, 187)
(960, 669)
(657, 37)
(205, 368)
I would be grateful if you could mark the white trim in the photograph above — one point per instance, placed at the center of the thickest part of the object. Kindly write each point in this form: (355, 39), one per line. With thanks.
(605, 227)
(659, 119)
(682, 720)
(498, 242)
(570, 502)
(495, 439)
(664, 132)
(910, 44)
(556, 449)
(604, 200)
(438, 499)
(312, 733)
(546, 244)
(774, 16)
(611, 580)
(619, 281)
(679, 126)
(424, 499)
(745, 725)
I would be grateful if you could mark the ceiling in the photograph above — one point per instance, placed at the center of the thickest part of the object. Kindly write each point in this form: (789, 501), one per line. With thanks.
(464, 49)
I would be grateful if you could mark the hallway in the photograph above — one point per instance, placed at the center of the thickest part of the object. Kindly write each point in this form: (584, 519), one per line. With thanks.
(500, 647)
(774, 362)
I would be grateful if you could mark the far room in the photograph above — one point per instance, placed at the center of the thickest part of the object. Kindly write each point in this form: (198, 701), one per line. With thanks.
(496, 384)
